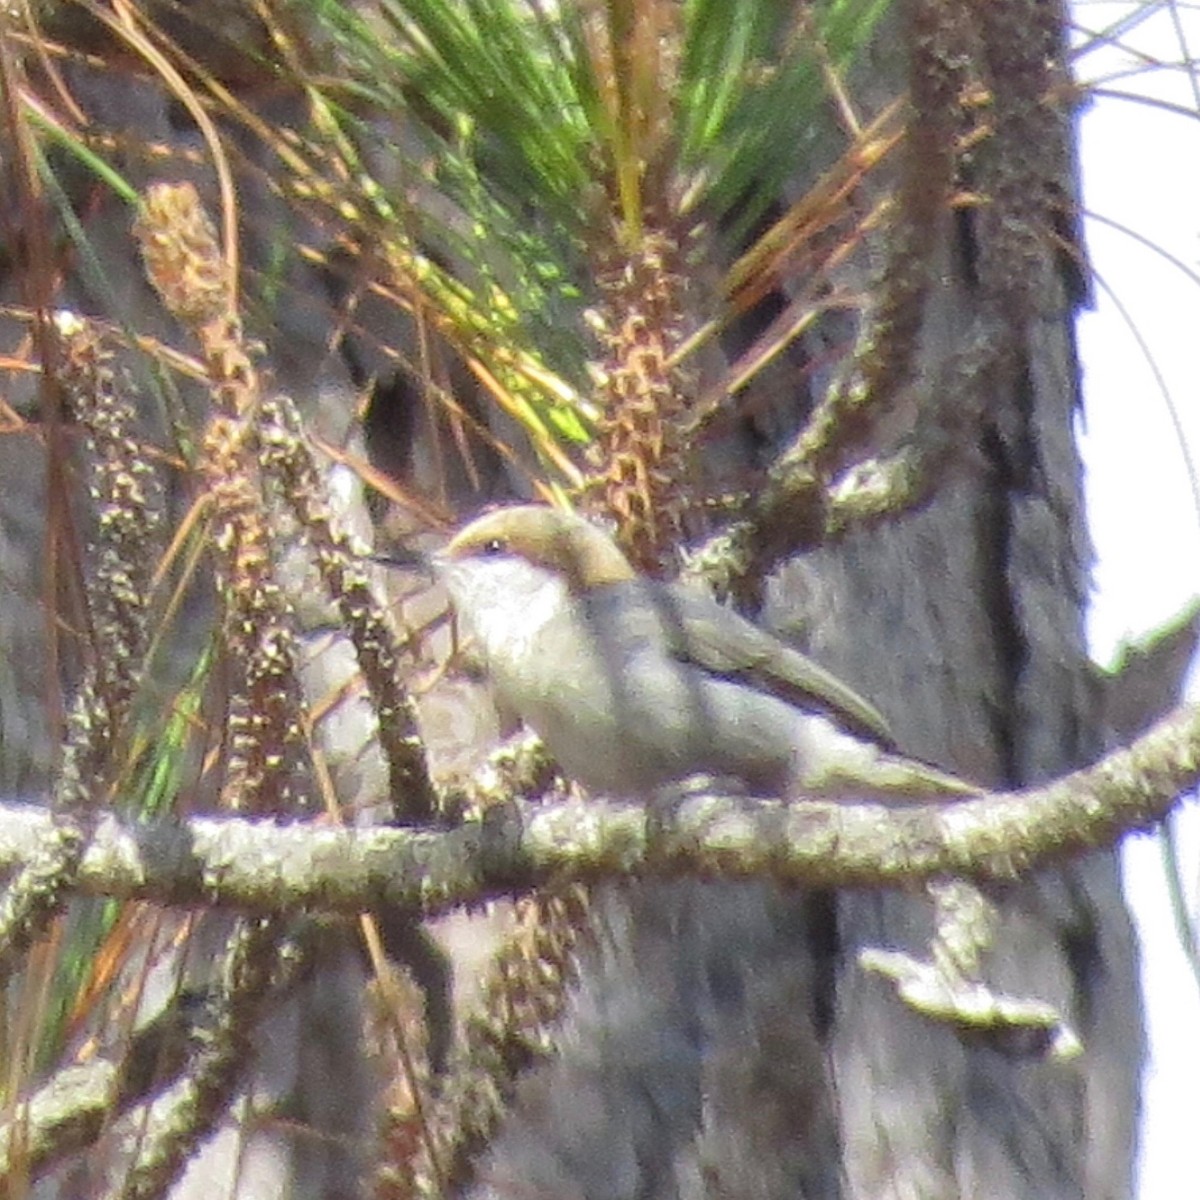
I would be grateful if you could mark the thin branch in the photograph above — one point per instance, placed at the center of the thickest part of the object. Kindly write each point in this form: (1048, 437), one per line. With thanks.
(258, 959)
(796, 509)
(63, 1116)
(286, 457)
(267, 867)
(122, 485)
(885, 360)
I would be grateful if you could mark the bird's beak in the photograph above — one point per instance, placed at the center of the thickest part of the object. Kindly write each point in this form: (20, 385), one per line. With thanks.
(407, 558)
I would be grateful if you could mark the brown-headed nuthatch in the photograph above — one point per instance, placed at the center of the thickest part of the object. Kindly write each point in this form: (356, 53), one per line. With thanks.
(634, 684)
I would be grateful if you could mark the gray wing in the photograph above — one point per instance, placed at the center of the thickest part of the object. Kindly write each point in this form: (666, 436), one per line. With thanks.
(743, 651)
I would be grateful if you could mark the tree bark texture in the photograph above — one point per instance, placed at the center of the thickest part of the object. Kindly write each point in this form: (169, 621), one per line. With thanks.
(724, 1040)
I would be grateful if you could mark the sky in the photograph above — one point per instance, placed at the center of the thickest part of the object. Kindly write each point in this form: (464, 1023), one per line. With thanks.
(1141, 421)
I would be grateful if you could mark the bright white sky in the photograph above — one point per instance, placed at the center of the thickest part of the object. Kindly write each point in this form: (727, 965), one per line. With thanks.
(1141, 168)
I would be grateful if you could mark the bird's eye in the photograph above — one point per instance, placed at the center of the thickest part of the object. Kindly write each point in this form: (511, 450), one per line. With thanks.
(493, 546)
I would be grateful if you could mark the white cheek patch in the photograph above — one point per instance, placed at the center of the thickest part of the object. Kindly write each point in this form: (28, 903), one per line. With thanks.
(510, 601)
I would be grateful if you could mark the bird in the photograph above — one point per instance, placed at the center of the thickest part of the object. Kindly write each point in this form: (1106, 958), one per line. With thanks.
(635, 685)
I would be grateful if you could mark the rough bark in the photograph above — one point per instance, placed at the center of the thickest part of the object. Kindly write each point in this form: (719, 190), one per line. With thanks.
(964, 622)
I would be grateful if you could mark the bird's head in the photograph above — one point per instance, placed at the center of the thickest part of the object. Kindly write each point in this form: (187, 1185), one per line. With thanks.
(512, 569)
(548, 539)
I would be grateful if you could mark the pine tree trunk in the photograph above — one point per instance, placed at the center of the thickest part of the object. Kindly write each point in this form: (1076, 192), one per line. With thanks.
(725, 1041)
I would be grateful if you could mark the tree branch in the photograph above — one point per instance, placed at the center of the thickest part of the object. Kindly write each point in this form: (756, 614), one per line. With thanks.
(270, 867)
